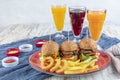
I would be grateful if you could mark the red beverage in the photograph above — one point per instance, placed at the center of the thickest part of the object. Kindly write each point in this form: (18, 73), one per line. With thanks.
(77, 18)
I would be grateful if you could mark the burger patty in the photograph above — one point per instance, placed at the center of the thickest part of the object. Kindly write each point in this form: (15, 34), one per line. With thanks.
(64, 53)
(70, 55)
(87, 51)
(70, 52)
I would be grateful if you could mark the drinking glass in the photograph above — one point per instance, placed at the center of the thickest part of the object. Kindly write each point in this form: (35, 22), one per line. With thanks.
(58, 12)
(77, 15)
(96, 18)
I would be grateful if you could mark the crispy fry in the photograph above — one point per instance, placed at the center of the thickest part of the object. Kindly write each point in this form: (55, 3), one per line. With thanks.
(91, 62)
(92, 68)
(80, 67)
(73, 63)
(73, 71)
(57, 64)
(74, 68)
(64, 66)
(51, 63)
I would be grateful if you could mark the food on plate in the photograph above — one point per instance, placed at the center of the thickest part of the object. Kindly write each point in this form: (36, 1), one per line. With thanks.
(88, 49)
(87, 45)
(69, 50)
(56, 66)
(53, 65)
(49, 48)
(70, 58)
(62, 67)
(76, 67)
(47, 63)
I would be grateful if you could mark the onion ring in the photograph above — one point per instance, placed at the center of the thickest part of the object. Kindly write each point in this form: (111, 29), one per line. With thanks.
(57, 64)
(64, 66)
(44, 61)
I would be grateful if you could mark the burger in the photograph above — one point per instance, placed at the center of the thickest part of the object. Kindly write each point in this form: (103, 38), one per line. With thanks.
(88, 46)
(49, 48)
(69, 50)
(87, 49)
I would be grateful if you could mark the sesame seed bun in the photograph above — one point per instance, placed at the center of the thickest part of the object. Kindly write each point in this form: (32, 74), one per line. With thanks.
(49, 47)
(88, 43)
(69, 46)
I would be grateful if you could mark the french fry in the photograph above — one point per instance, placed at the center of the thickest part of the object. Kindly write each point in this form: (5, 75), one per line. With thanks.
(62, 66)
(84, 62)
(91, 62)
(92, 68)
(73, 63)
(56, 65)
(73, 71)
(74, 68)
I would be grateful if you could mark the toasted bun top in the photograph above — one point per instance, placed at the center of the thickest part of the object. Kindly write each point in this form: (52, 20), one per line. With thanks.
(69, 46)
(49, 47)
(88, 43)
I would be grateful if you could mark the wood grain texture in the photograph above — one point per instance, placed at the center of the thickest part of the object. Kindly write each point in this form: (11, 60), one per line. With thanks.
(22, 31)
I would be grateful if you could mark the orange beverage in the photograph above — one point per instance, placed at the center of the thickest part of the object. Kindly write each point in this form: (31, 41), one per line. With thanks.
(96, 20)
(59, 16)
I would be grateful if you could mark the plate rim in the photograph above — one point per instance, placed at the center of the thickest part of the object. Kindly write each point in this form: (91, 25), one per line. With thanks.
(56, 74)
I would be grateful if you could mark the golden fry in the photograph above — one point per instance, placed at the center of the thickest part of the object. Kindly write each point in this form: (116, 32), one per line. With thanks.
(57, 64)
(72, 63)
(92, 68)
(73, 71)
(78, 63)
(64, 66)
(74, 68)
(91, 62)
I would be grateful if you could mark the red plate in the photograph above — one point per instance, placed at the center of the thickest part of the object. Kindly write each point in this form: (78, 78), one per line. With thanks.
(103, 61)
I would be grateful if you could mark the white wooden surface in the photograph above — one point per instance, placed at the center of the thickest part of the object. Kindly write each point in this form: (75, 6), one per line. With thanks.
(17, 32)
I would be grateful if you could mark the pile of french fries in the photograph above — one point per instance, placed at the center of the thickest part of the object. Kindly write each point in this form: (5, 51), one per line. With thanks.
(72, 67)
(77, 67)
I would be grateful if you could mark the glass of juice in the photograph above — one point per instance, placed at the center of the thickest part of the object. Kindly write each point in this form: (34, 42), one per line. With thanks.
(77, 15)
(58, 12)
(96, 20)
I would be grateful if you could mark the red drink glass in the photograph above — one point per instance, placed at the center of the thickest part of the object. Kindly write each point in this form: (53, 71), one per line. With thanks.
(77, 15)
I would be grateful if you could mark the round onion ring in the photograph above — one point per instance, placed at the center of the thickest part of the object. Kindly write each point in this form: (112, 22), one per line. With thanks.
(47, 67)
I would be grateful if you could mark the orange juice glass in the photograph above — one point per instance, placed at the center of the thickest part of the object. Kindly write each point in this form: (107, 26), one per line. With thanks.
(58, 12)
(96, 20)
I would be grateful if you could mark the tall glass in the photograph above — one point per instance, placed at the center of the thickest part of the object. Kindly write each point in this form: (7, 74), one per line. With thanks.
(77, 15)
(96, 20)
(58, 12)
